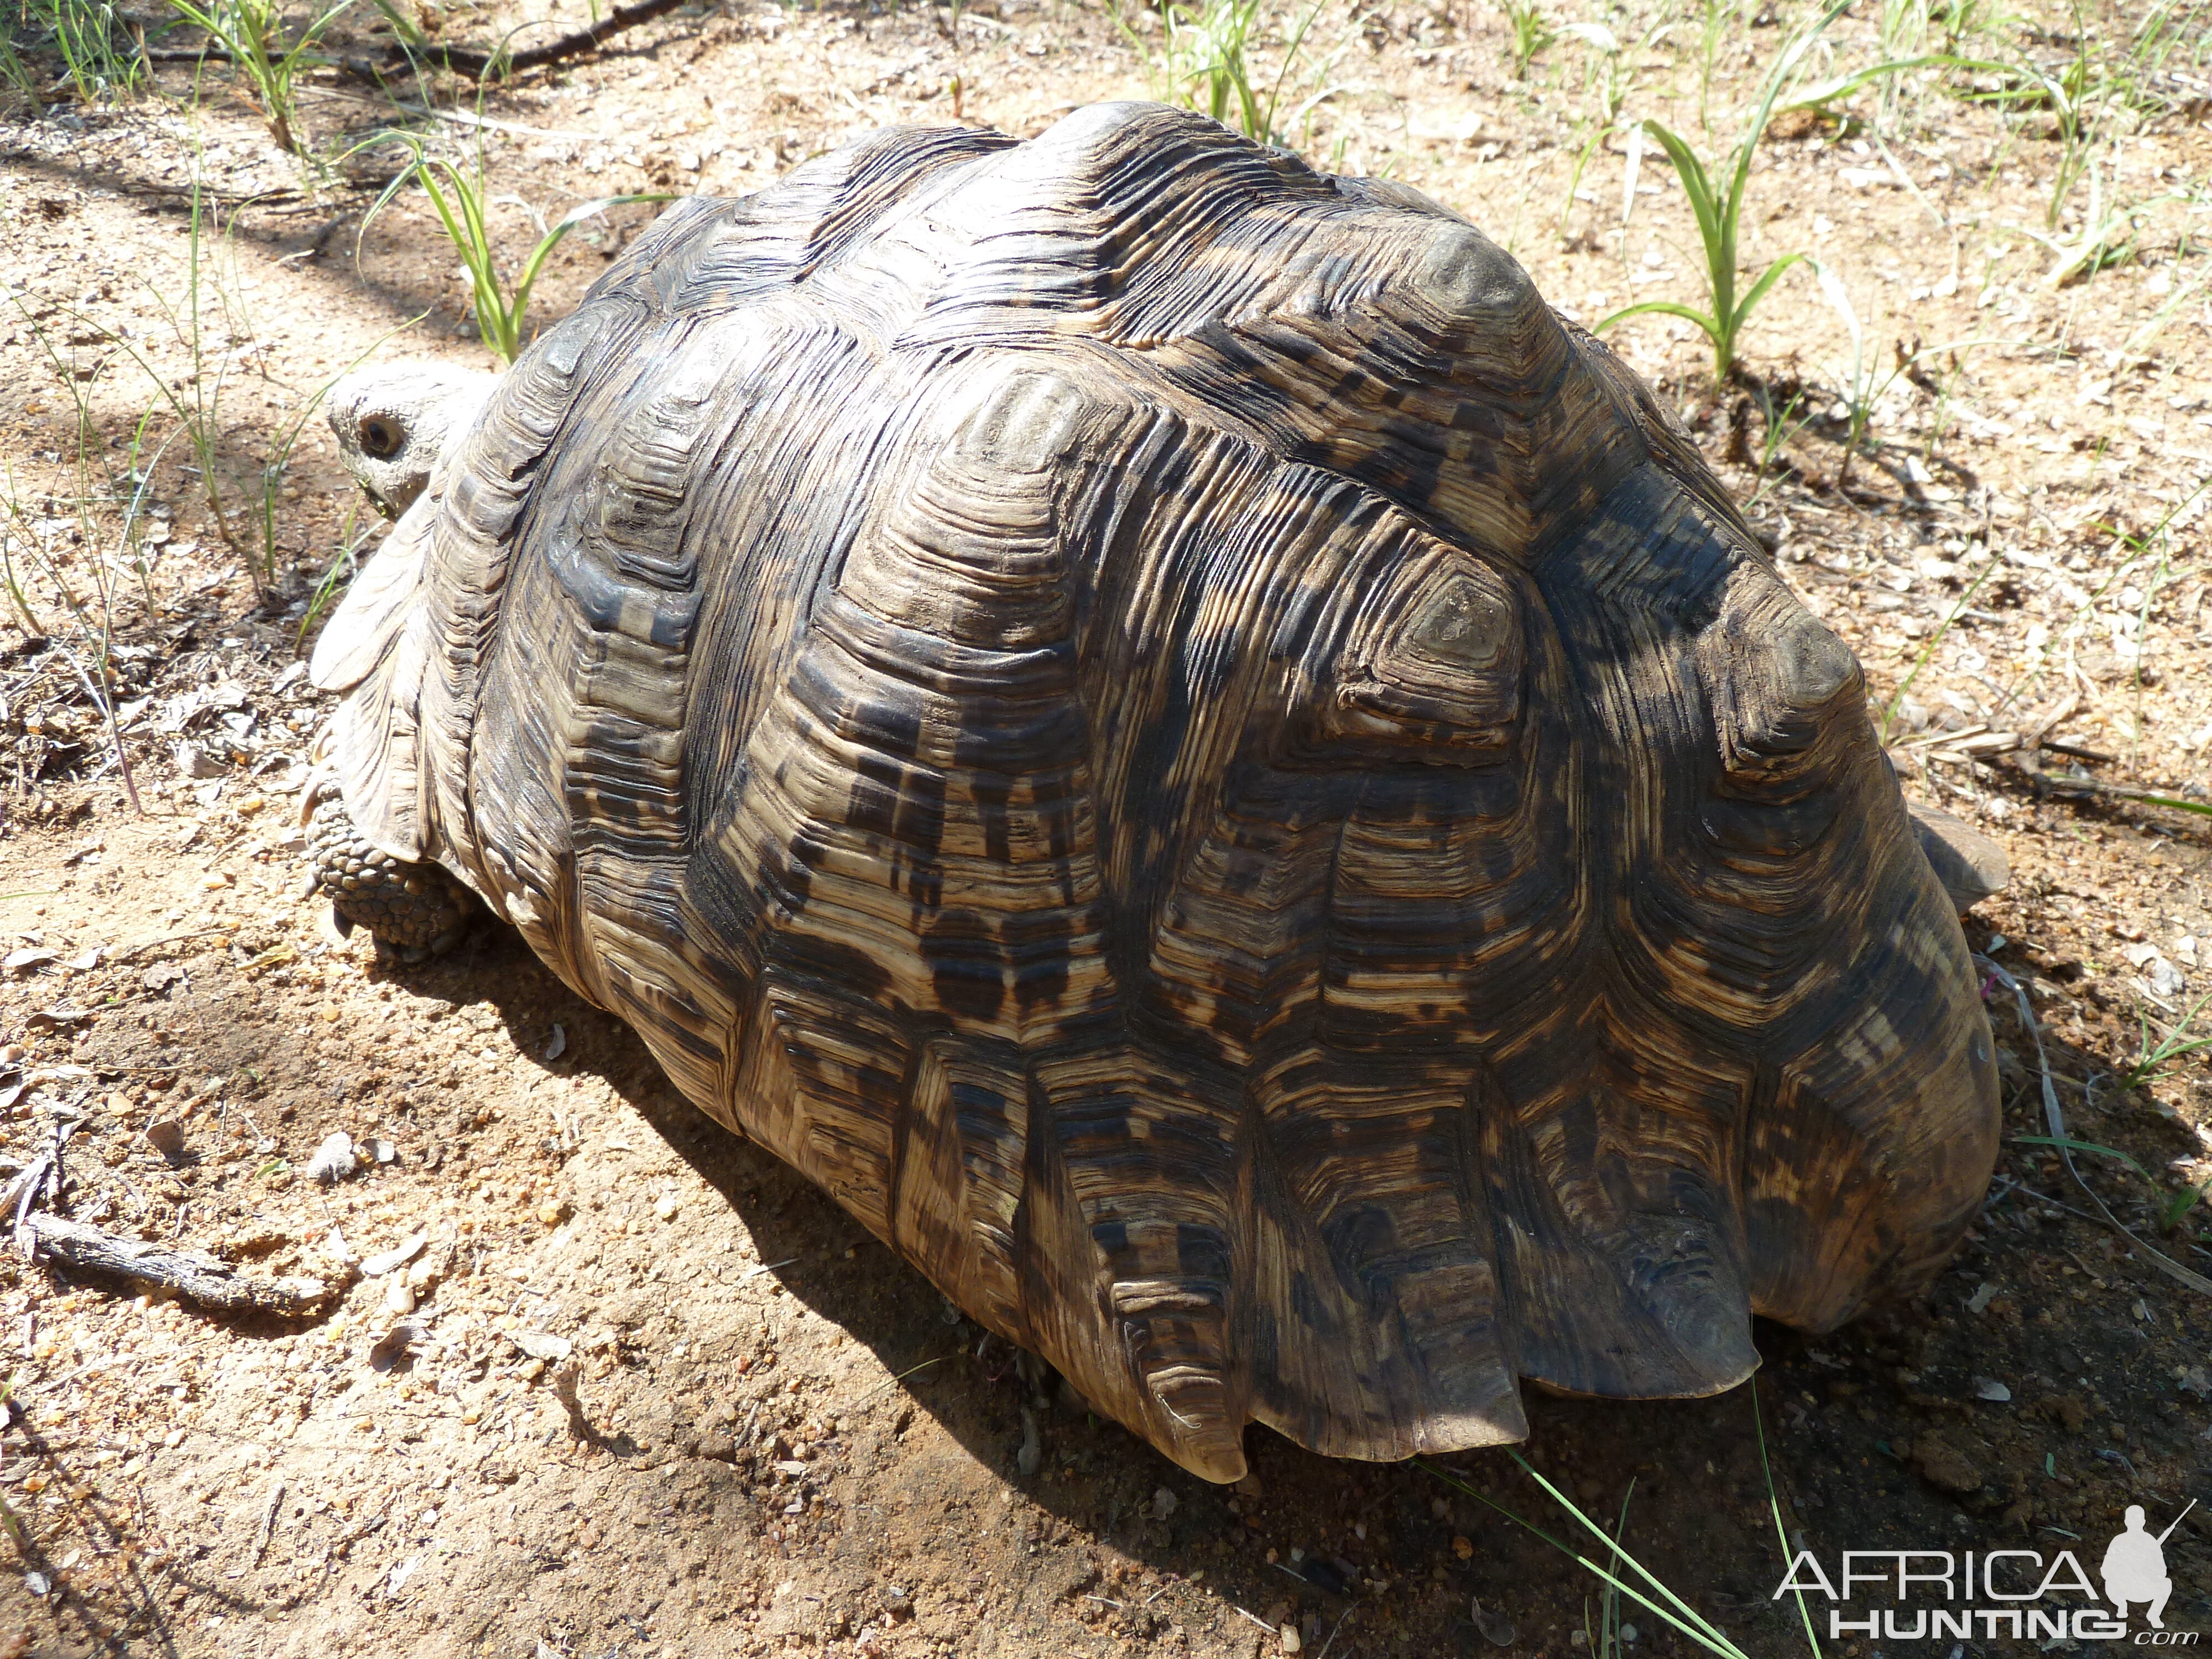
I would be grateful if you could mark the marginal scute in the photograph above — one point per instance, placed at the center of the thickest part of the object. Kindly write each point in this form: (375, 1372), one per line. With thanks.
(367, 622)
(1219, 776)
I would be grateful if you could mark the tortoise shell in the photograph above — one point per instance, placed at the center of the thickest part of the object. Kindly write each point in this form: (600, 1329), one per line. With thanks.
(1225, 781)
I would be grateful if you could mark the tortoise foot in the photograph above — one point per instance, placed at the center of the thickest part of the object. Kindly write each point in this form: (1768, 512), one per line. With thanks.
(413, 911)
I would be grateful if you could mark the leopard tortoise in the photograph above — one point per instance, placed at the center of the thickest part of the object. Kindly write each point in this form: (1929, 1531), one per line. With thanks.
(1225, 781)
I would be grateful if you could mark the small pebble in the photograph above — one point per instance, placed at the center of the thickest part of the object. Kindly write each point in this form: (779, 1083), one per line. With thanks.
(1291, 1640)
(1163, 1504)
(333, 1160)
(1496, 1629)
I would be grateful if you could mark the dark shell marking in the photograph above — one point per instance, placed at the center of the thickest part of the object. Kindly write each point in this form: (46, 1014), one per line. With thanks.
(1154, 721)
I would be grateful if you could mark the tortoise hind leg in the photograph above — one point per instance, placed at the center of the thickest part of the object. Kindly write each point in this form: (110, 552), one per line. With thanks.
(413, 911)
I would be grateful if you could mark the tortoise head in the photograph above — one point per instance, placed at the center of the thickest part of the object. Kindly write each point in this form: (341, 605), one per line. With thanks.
(393, 422)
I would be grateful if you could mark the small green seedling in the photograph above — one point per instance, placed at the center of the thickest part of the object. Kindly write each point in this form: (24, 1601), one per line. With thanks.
(2154, 1059)
(2178, 1206)
(458, 200)
(1779, 427)
(1530, 33)
(1719, 210)
(100, 49)
(1201, 63)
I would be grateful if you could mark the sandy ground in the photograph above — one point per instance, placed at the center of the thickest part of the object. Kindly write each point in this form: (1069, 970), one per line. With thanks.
(636, 1389)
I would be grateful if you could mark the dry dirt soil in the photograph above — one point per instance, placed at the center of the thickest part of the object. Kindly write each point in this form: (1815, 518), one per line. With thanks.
(639, 1390)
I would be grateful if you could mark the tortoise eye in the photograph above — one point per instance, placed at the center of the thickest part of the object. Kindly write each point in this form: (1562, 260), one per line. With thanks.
(381, 437)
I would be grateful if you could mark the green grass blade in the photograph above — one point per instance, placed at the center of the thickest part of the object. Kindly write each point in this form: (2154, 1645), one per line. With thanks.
(2069, 1144)
(1823, 94)
(1784, 66)
(1567, 1504)
(1714, 1641)
(551, 240)
(1696, 184)
(1290, 57)
(1665, 308)
(1771, 275)
(2196, 806)
(1781, 1535)
(1897, 697)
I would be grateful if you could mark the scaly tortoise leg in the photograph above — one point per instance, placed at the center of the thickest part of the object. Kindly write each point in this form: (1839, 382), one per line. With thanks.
(413, 911)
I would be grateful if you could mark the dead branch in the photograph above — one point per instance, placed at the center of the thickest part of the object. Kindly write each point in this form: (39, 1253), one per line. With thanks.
(465, 60)
(477, 65)
(201, 1279)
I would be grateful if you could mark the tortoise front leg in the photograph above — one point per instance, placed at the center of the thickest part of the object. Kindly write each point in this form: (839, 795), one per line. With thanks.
(413, 911)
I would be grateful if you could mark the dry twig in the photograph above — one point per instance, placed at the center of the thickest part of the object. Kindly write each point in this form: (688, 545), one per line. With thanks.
(201, 1279)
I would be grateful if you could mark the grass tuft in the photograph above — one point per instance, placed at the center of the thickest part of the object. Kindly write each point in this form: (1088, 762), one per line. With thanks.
(250, 33)
(1203, 61)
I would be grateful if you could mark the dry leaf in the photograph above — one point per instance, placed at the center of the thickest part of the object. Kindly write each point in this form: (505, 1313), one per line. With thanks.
(398, 1256)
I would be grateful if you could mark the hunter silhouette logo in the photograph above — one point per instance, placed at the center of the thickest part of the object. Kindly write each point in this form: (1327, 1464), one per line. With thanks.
(2134, 1567)
(1948, 1594)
